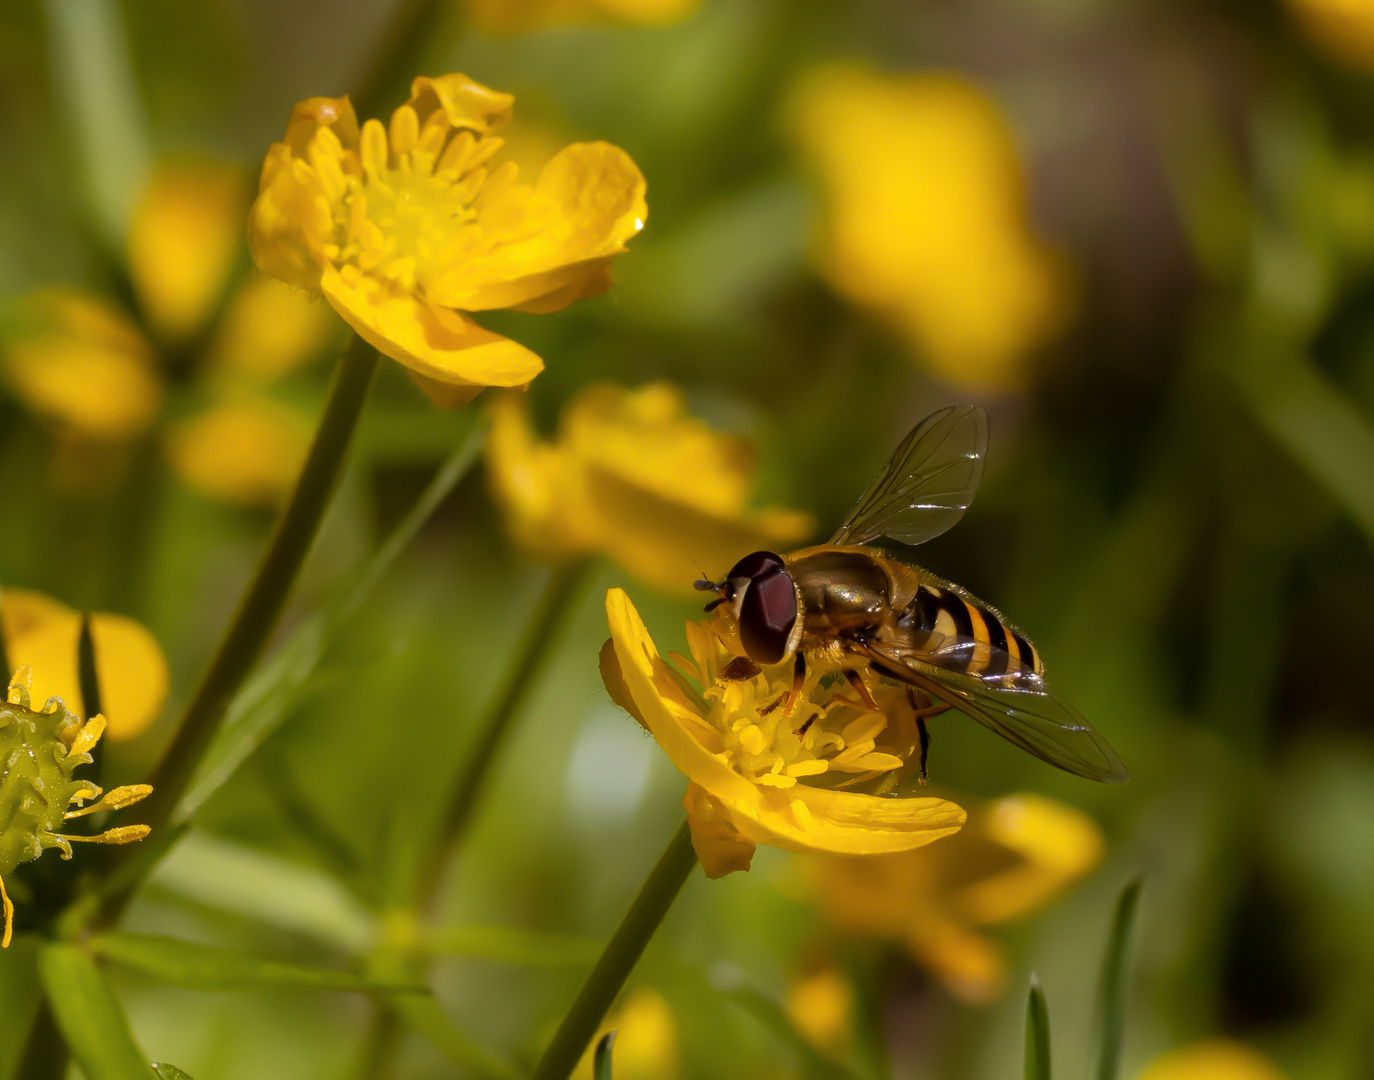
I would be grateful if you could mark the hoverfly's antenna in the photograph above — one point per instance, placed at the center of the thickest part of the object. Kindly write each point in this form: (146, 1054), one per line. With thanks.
(705, 584)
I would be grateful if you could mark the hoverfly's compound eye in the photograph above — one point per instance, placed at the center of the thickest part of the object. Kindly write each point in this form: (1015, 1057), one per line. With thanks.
(767, 613)
(755, 565)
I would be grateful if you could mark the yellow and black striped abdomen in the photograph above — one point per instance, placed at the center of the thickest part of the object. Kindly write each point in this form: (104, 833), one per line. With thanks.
(966, 635)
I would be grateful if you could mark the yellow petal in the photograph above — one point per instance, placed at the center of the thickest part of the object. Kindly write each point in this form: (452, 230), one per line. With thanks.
(1213, 1059)
(466, 102)
(82, 362)
(182, 242)
(289, 220)
(442, 345)
(312, 114)
(971, 966)
(721, 848)
(1344, 28)
(1055, 843)
(588, 201)
(271, 329)
(524, 473)
(42, 634)
(821, 1008)
(246, 452)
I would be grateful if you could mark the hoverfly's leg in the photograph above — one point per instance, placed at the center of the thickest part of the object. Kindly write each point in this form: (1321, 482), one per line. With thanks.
(865, 698)
(923, 713)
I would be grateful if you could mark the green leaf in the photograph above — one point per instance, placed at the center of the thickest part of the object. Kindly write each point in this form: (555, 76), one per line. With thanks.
(234, 877)
(89, 681)
(169, 1072)
(95, 84)
(91, 1019)
(425, 1016)
(264, 703)
(601, 1063)
(508, 945)
(774, 1017)
(1037, 1034)
(1112, 1005)
(205, 967)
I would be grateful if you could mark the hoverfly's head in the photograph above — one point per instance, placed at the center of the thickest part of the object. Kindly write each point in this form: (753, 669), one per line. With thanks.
(764, 603)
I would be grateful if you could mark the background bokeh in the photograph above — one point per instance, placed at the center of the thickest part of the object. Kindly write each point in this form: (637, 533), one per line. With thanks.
(1141, 235)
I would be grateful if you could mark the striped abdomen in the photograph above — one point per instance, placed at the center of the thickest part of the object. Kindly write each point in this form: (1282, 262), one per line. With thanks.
(966, 635)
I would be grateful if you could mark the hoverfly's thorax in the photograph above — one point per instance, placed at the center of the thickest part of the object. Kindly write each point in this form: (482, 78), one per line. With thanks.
(841, 590)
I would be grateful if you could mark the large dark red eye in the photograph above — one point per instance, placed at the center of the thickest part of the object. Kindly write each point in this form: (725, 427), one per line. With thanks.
(767, 613)
(752, 566)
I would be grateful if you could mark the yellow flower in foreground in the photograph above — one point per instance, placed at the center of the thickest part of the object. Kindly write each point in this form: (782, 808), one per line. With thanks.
(1013, 857)
(507, 16)
(927, 220)
(1344, 28)
(1213, 1059)
(42, 634)
(81, 362)
(645, 1040)
(248, 451)
(182, 242)
(753, 778)
(633, 476)
(404, 229)
(39, 749)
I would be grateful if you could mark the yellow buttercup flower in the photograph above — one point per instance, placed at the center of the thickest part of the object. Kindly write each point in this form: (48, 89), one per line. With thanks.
(508, 16)
(758, 776)
(926, 218)
(182, 241)
(645, 1047)
(633, 476)
(404, 230)
(81, 362)
(42, 634)
(246, 451)
(1213, 1059)
(39, 749)
(1343, 28)
(1013, 857)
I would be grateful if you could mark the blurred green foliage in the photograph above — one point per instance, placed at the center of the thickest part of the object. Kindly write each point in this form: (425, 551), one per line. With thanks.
(1178, 508)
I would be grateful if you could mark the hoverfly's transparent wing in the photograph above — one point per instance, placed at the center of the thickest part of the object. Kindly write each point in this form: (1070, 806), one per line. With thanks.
(1016, 704)
(926, 485)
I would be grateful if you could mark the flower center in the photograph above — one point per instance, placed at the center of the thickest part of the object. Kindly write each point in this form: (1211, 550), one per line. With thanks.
(827, 732)
(411, 214)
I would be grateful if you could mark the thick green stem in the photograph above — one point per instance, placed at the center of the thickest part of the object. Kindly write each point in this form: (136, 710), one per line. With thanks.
(262, 604)
(622, 952)
(546, 621)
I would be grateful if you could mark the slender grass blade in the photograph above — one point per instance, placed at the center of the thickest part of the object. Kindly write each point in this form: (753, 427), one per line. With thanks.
(1037, 1033)
(1112, 1004)
(601, 1064)
(89, 1016)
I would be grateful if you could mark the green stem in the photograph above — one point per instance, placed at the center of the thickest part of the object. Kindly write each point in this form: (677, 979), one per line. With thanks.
(266, 597)
(622, 952)
(561, 592)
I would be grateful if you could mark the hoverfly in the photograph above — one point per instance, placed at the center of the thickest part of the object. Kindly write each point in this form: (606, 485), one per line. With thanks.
(843, 603)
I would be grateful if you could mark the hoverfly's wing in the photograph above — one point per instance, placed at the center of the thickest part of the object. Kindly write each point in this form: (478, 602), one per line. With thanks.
(926, 485)
(1016, 704)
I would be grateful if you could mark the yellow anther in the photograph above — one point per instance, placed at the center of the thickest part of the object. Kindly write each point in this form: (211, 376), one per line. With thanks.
(115, 799)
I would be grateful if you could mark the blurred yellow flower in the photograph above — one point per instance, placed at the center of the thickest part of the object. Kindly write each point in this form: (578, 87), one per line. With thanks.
(645, 1042)
(926, 217)
(269, 330)
(404, 231)
(185, 232)
(1344, 28)
(41, 748)
(510, 16)
(1013, 857)
(1212, 1059)
(633, 476)
(42, 634)
(245, 451)
(821, 1007)
(753, 778)
(83, 363)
